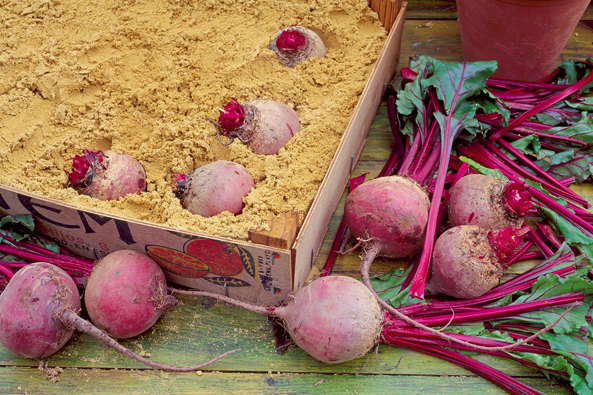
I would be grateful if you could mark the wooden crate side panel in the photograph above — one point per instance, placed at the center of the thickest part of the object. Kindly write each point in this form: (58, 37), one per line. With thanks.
(387, 10)
(251, 272)
(314, 227)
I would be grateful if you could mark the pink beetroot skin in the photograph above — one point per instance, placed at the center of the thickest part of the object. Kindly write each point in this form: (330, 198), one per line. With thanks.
(264, 126)
(39, 311)
(468, 261)
(391, 212)
(126, 294)
(106, 175)
(488, 202)
(214, 188)
(29, 309)
(297, 44)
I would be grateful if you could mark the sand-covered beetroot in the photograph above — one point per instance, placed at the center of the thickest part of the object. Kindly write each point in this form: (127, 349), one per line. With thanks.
(106, 175)
(490, 203)
(264, 126)
(297, 44)
(29, 308)
(468, 261)
(126, 294)
(39, 311)
(334, 319)
(392, 212)
(214, 188)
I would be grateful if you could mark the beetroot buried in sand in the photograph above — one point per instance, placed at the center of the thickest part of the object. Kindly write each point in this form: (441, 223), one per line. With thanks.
(265, 126)
(213, 188)
(106, 175)
(297, 44)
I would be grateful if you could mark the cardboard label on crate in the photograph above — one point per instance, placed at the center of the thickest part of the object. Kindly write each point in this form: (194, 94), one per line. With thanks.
(250, 272)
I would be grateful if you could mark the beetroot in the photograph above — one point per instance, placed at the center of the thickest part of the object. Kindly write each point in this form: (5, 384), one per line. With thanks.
(126, 294)
(213, 188)
(390, 213)
(29, 309)
(39, 312)
(334, 319)
(488, 202)
(468, 261)
(265, 126)
(106, 175)
(297, 44)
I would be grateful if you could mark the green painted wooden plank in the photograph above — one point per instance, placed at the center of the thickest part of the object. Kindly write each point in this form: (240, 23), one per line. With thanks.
(431, 9)
(200, 329)
(99, 381)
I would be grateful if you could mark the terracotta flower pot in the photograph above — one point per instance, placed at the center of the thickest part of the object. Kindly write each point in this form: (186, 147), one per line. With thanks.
(525, 37)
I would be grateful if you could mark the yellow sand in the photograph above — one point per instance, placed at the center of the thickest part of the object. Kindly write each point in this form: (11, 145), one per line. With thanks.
(140, 77)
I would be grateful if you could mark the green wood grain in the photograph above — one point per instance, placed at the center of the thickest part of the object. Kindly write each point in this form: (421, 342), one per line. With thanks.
(131, 382)
(200, 329)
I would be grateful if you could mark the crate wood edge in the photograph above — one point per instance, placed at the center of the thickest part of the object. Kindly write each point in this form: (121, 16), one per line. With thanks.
(314, 226)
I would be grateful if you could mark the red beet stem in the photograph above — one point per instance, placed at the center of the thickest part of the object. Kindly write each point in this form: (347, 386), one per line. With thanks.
(503, 380)
(517, 198)
(493, 313)
(231, 116)
(291, 40)
(543, 106)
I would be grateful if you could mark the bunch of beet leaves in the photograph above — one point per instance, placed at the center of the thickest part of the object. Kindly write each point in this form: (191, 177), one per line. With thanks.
(21, 245)
(452, 119)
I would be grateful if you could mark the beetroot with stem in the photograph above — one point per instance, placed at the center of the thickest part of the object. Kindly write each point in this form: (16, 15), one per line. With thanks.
(448, 88)
(388, 215)
(297, 44)
(214, 188)
(334, 319)
(488, 202)
(39, 311)
(106, 175)
(265, 126)
(126, 294)
(468, 261)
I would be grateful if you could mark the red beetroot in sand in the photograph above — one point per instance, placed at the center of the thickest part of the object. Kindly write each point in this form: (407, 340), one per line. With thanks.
(297, 44)
(214, 188)
(264, 126)
(106, 175)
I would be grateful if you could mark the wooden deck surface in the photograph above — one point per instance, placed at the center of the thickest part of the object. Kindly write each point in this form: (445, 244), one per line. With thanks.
(200, 329)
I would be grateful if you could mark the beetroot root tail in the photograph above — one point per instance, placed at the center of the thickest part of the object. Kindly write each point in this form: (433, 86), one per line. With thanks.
(72, 319)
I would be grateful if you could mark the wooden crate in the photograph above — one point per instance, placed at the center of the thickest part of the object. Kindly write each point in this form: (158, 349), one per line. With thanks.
(264, 271)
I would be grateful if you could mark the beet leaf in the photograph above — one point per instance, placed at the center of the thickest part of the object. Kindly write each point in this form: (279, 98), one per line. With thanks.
(454, 83)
